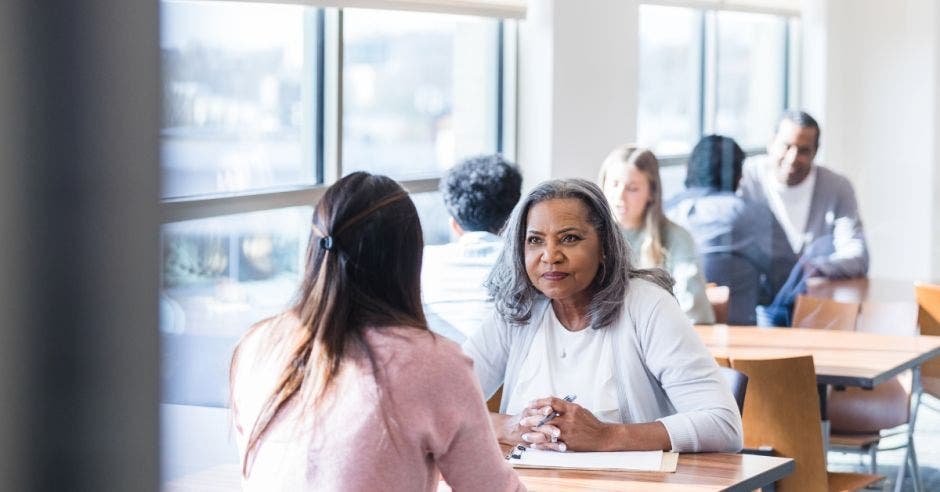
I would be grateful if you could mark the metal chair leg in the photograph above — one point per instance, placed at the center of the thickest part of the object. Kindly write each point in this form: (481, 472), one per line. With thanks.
(915, 470)
(873, 459)
(899, 480)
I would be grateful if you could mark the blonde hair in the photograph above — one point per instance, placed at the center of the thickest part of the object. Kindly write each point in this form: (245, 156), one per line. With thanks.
(653, 252)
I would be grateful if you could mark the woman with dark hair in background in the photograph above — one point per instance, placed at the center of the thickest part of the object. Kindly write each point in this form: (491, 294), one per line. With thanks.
(630, 179)
(572, 316)
(730, 233)
(347, 389)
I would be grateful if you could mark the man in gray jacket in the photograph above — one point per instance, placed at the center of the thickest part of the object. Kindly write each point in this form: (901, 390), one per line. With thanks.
(817, 222)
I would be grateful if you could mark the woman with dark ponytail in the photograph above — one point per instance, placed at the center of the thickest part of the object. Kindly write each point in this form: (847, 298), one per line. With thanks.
(348, 389)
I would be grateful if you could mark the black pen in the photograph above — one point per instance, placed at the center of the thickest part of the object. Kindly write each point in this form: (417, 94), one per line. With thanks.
(549, 417)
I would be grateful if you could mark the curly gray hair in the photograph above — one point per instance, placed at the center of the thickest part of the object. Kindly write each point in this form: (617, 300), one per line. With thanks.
(508, 284)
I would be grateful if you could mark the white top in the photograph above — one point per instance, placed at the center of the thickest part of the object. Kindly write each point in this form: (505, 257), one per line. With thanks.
(452, 277)
(660, 367)
(790, 205)
(560, 354)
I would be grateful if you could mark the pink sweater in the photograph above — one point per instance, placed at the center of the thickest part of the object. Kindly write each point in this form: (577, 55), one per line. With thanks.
(431, 402)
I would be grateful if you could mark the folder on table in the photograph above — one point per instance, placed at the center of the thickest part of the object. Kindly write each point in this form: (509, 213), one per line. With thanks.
(656, 461)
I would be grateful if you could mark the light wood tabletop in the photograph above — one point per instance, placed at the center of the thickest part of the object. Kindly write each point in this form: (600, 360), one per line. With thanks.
(887, 306)
(694, 472)
(863, 289)
(842, 358)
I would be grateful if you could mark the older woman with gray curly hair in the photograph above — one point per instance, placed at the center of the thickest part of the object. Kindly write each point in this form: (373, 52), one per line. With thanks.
(573, 317)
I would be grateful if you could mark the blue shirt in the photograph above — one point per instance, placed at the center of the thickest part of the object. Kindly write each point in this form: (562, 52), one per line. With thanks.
(731, 236)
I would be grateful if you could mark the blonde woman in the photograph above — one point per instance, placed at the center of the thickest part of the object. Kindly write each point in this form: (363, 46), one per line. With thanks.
(631, 183)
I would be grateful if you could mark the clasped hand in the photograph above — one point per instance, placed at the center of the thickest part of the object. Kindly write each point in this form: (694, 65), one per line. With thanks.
(574, 428)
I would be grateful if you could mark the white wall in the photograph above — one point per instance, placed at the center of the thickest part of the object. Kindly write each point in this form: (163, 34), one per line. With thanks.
(871, 75)
(577, 85)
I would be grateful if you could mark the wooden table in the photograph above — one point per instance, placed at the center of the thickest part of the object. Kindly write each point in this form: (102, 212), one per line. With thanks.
(862, 289)
(888, 306)
(842, 358)
(694, 472)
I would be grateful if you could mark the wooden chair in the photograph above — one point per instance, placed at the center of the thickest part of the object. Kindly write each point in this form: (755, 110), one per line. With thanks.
(493, 403)
(815, 312)
(782, 411)
(718, 296)
(860, 419)
(928, 321)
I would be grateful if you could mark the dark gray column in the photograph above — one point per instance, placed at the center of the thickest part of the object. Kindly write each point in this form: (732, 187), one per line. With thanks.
(79, 181)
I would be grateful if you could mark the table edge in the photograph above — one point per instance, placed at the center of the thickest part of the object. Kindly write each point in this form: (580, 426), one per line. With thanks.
(766, 477)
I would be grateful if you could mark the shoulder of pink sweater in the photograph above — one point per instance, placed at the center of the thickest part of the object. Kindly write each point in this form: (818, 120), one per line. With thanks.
(267, 336)
(414, 343)
(402, 346)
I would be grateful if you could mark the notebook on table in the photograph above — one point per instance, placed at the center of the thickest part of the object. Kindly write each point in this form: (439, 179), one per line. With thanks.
(655, 461)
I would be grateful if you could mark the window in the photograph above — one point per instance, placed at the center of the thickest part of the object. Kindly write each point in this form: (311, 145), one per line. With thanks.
(253, 131)
(419, 91)
(750, 76)
(670, 79)
(221, 271)
(238, 98)
(706, 71)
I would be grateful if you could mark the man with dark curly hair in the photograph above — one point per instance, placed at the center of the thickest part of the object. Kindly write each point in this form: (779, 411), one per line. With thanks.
(479, 193)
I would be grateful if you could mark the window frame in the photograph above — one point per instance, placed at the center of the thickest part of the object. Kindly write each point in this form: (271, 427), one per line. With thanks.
(328, 110)
(708, 59)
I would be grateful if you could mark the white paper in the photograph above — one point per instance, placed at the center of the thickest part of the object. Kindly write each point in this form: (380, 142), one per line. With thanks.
(619, 460)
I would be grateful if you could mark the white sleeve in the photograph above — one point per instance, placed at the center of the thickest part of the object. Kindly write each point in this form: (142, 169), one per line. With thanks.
(489, 348)
(850, 258)
(707, 417)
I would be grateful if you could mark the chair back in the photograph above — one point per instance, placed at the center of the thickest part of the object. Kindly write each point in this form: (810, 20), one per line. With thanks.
(737, 383)
(854, 409)
(857, 410)
(928, 320)
(782, 411)
(814, 312)
(493, 403)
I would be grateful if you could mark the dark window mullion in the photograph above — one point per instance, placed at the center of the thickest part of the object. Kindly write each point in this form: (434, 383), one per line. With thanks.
(703, 57)
(786, 64)
(500, 70)
(319, 151)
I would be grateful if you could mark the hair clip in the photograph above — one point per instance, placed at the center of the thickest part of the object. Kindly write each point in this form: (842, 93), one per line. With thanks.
(326, 242)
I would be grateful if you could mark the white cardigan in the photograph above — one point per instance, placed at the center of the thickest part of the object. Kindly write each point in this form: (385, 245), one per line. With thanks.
(662, 368)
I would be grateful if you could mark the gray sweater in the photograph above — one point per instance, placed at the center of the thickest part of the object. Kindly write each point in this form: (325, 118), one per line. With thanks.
(833, 226)
(662, 368)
